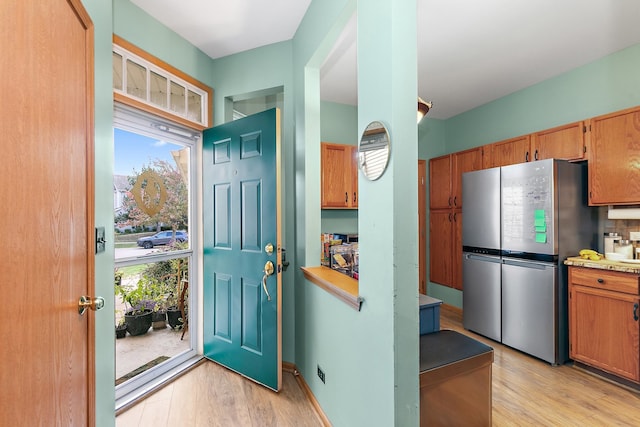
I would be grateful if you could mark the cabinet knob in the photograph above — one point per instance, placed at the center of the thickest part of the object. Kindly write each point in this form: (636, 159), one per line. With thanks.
(526, 156)
(535, 156)
(455, 201)
(635, 312)
(449, 201)
(600, 280)
(354, 197)
(346, 197)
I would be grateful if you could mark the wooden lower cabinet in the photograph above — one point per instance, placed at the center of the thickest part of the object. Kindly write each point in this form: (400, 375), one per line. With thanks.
(445, 247)
(604, 331)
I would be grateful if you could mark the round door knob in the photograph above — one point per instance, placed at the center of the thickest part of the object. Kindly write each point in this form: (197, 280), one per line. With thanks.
(86, 302)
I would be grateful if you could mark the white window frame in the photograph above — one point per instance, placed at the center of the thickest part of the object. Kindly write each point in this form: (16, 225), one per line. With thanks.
(136, 121)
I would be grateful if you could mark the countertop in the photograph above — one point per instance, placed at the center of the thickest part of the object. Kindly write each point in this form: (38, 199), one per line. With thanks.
(604, 264)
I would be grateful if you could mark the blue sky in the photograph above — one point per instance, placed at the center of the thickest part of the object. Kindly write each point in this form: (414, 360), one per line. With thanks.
(132, 151)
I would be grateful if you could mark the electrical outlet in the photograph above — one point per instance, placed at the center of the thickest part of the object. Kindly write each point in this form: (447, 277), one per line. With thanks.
(320, 374)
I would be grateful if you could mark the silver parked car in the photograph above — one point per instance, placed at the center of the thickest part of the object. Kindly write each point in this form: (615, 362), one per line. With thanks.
(162, 238)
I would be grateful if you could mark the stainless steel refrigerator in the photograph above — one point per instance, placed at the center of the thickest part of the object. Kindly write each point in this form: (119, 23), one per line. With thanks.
(519, 224)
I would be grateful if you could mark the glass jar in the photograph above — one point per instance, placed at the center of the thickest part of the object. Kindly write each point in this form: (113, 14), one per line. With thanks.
(623, 247)
(609, 239)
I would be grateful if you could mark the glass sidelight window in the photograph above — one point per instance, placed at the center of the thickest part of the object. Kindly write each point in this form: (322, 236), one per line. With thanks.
(154, 233)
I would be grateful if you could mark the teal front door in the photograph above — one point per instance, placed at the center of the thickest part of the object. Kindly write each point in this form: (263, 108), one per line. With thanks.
(242, 257)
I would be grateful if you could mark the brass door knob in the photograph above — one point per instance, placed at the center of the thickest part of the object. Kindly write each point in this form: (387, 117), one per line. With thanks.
(92, 303)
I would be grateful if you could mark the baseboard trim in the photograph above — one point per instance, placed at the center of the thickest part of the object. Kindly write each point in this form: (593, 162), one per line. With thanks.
(291, 368)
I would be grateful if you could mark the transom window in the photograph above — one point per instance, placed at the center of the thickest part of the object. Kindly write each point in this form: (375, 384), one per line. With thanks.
(142, 78)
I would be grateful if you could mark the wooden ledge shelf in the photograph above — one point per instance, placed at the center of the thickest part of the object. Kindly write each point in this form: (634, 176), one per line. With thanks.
(338, 284)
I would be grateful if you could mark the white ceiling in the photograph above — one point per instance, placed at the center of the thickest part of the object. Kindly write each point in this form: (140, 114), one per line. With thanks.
(469, 52)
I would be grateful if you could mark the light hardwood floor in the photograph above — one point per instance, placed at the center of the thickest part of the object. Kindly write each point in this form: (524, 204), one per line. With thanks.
(530, 392)
(210, 395)
(526, 392)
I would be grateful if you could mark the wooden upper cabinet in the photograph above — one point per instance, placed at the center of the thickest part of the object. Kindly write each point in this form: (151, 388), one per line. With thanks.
(487, 162)
(565, 142)
(510, 151)
(463, 161)
(440, 182)
(339, 170)
(613, 142)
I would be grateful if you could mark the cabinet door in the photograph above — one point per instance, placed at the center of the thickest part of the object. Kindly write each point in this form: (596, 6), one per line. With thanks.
(440, 183)
(463, 161)
(614, 144)
(563, 142)
(456, 251)
(336, 169)
(354, 176)
(510, 151)
(440, 247)
(603, 332)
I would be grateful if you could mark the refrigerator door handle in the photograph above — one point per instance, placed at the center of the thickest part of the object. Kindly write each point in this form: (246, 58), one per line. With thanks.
(527, 264)
(484, 258)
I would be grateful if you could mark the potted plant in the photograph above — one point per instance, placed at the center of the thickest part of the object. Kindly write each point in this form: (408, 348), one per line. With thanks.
(158, 291)
(174, 315)
(121, 328)
(139, 309)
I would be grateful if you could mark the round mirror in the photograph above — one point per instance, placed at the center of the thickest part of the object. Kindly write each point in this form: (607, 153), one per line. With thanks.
(373, 150)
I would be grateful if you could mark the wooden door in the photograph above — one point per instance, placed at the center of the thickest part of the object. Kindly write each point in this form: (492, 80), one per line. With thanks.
(603, 331)
(511, 151)
(46, 82)
(440, 246)
(440, 183)
(337, 179)
(614, 157)
(562, 142)
(422, 226)
(464, 161)
(242, 301)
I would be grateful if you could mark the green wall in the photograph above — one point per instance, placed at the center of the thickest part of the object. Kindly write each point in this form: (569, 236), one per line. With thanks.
(369, 357)
(253, 72)
(101, 14)
(609, 84)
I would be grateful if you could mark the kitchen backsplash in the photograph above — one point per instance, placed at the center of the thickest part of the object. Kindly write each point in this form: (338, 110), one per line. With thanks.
(621, 226)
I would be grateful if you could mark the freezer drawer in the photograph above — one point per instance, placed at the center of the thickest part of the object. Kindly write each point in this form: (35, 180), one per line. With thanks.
(481, 296)
(529, 311)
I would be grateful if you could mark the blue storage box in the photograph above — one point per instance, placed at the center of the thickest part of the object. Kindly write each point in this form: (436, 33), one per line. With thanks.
(429, 314)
